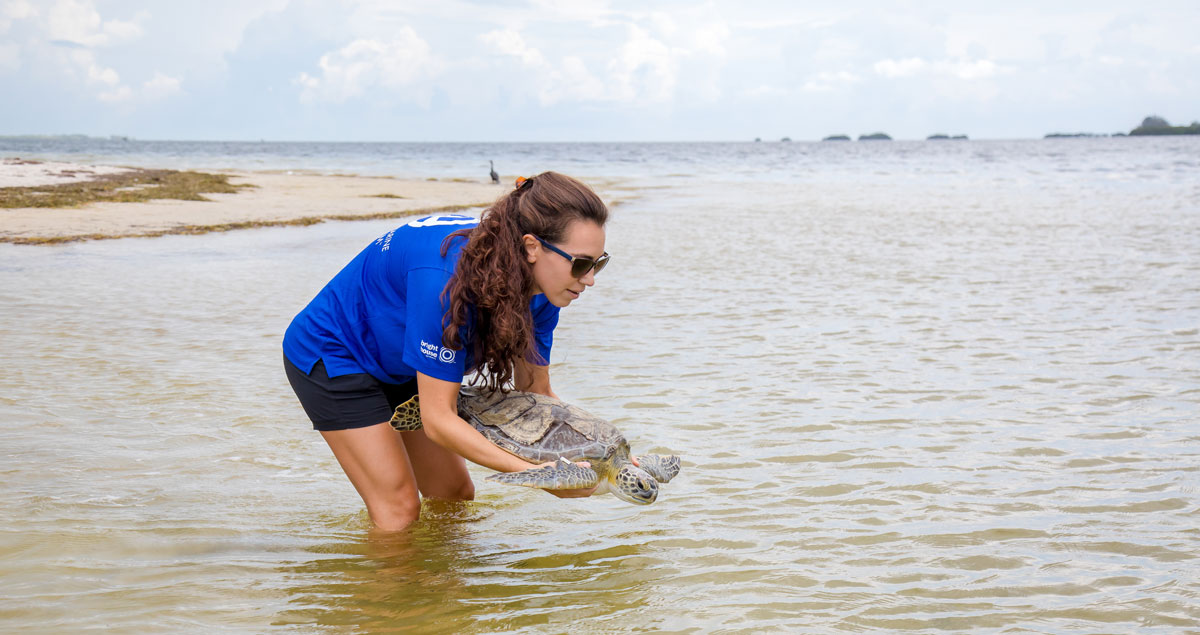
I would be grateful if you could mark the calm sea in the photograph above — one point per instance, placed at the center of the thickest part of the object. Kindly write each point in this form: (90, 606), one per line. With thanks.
(929, 387)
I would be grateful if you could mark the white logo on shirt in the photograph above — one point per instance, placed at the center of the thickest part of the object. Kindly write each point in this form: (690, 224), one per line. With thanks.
(385, 241)
(439, 353)
(430, 221)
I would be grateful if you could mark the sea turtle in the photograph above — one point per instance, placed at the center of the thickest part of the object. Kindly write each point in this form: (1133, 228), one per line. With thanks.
(542, 429)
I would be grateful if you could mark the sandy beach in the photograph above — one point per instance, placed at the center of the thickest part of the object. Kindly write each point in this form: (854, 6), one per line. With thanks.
(273, 199)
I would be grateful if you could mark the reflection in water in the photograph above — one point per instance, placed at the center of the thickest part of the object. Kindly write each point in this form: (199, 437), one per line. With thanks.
(930, 396)
(434, 574)
(381, 580)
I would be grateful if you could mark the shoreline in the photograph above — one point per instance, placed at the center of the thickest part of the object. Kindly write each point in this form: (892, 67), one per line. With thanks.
(262, 199)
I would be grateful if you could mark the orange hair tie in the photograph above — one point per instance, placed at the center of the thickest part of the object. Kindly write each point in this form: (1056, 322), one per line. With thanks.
(522, 181)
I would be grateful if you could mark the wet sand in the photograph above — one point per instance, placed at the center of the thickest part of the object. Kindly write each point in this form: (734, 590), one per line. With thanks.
(274, 199)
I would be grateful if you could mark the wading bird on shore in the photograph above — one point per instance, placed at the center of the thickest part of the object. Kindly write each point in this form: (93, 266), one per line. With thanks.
(495, 177)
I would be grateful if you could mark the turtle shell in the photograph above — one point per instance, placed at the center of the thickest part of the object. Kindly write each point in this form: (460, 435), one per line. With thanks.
(538, 428)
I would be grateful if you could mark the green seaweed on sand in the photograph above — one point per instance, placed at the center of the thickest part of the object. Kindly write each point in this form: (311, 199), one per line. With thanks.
(133, 186)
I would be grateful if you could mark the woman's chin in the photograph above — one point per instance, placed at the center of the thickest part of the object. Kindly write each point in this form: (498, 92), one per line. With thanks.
(562, 298)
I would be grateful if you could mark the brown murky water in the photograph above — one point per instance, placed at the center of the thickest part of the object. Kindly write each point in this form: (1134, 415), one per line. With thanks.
(967, 408)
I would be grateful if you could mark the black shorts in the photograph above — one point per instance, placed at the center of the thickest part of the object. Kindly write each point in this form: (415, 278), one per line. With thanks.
(347, 401)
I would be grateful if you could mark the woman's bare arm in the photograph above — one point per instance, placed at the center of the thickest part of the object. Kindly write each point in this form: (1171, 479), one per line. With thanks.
(533, 378)
(443, 426)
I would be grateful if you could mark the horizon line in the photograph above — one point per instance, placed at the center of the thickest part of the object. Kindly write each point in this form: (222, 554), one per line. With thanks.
(785, 139)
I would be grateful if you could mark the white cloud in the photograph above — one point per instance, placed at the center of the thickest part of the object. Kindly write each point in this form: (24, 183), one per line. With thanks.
(645, 69)
(979, 69)
(364, 64)
(961, 69)
(828, 81)
(82, 62)
(836, 49)
(77, 34)
(17, 10)
(711, 38)
(663, 24)
(567, 81)
(118, 94)
(661, 58)
(74, 21)
(710, 65)
(121, 30)
(510, 42)
(593, 12)
(572, 82)
(78, 22)
(14, 10)
(75, 31)
(900, 68)
(101, 75)
(158, 87)
(765, 91)
(161, 86)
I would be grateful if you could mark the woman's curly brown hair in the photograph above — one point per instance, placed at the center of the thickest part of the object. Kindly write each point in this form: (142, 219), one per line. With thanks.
(493, 281)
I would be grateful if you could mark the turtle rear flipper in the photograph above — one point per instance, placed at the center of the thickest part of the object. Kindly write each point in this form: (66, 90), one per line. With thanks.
(408, 415)
(561, 475)
(662, 467)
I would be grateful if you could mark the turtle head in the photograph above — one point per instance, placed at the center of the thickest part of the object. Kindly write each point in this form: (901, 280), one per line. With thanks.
(632, 483)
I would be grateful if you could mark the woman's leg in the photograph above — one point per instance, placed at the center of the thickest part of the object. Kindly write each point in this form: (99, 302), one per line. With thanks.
(440, 473)
(389, 468)
(375, 460)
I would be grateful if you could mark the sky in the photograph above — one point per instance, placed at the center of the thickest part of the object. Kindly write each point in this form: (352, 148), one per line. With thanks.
(594, 70)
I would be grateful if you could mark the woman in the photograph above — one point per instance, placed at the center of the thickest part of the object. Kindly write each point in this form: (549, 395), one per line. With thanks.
(422, 307)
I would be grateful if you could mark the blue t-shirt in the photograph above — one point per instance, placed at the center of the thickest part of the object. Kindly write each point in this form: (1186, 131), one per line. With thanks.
(382, 314)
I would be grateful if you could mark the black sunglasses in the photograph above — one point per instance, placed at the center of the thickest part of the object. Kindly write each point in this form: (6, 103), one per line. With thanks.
(580, 265)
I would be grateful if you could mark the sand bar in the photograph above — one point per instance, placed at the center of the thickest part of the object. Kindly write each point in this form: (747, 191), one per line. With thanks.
(275, 199)
(22, 173)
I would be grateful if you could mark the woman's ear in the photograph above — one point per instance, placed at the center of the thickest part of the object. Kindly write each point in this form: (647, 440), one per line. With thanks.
(531, 248)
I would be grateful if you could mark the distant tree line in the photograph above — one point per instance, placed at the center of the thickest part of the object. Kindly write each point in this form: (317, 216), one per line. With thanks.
(1155, 125)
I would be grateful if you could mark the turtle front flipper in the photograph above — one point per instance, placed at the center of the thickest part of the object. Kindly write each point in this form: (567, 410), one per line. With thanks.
(562, 475)
(408, 415)
(662, 467)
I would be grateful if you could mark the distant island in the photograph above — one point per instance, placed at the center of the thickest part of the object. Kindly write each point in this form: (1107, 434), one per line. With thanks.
(875, 136)
(836, 137)
(942, 137)
(1152, 125)
(1155, 125)
(66, 137)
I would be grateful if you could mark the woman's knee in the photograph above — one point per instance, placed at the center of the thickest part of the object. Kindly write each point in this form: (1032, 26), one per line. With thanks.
(451, 489)
(395, 512)
(465, 491)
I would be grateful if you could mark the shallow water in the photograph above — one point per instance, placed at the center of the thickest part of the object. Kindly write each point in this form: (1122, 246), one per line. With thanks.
(914, 392)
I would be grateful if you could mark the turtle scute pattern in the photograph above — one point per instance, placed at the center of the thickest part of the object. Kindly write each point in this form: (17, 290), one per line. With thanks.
(407, 416)
(528, 418)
